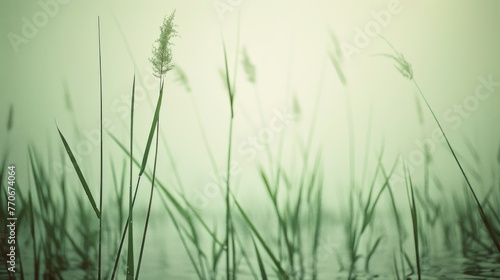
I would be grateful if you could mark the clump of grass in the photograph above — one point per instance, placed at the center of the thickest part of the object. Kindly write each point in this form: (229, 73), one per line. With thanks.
(405, 68)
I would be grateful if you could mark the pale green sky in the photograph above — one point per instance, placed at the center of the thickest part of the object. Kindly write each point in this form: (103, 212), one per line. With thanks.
(450, 44)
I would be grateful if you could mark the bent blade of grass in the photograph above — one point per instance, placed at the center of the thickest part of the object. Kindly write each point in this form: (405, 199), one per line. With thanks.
(80, 174)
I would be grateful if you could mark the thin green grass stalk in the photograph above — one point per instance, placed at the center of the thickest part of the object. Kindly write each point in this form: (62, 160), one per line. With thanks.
(396, 269)
(149, 204)
(262, 269)
(130, 251)
(130, 272)
(162, 63)
(371, 251)
(414, 219)
(273, 195)
(129, 225)
(36, 261)
(367, 146)
(172, 199)
(119, 192)
(317, 230)
(173, 164)
(245, 257)
(99, 266)
(406, 70)
(335, 59)
(312, 126)
(228, 170)
(400, 227)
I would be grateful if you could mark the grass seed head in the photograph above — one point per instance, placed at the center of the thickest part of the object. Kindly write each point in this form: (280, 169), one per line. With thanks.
(162, 52)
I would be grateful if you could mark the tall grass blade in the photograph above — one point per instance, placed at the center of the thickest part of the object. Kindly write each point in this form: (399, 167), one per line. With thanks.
(99, 266)
(130, 251)
(228, 170)
(149, 205)
(152, 131)
(80, 175)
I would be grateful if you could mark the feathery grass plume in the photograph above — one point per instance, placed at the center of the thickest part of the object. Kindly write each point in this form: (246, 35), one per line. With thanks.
(406, 70)
(403, 66)
(162, 63)
(162, 52)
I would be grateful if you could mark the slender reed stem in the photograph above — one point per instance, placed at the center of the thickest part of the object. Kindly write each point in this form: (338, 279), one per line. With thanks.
(101, 153)
(228, 171)
(130, 252)
(150, 203)
(228, 206)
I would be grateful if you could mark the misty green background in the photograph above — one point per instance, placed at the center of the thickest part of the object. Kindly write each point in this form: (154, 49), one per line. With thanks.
(449, 44)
